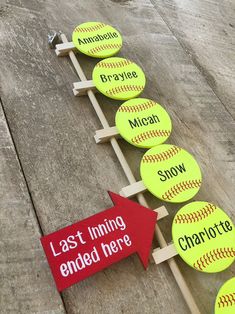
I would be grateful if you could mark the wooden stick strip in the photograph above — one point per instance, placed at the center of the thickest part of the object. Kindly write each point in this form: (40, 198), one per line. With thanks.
(133, 189)
(84, 85)
(127, 170)
(63, 49)
(161, 255)
(162, 212)
(104, 135)
(81, 88)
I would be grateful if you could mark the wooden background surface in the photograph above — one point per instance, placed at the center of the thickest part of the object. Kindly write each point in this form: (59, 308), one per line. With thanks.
(53, 174)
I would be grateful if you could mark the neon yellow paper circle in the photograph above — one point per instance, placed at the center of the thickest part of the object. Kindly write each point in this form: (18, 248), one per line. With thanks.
(97, 39)
(225, 300)
(143, 123)
(170, 173)
(204, 237)
(118, 78)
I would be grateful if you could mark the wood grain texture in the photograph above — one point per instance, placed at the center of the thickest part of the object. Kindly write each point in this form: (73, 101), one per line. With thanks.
(68, 174)
(26, 283)
(206, 30)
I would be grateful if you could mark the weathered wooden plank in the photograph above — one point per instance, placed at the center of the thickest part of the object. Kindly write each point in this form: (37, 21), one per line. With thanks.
(206, 30)
(68, 174)
(26, 284)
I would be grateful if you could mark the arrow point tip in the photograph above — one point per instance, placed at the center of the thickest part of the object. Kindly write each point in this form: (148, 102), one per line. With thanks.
(144, 259)
(110, 193)
(114, 197)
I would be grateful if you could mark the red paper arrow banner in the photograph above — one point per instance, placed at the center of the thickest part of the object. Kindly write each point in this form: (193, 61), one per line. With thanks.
(88, 246)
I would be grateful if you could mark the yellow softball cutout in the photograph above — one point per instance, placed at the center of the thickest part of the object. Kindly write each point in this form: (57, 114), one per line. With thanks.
(118, 78)
(97, 39)
(225, 300)
(143, 123)
(170, 173)
(204, 236)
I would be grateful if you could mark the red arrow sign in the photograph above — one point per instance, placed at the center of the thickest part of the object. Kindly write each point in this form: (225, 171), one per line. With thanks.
(88, 246)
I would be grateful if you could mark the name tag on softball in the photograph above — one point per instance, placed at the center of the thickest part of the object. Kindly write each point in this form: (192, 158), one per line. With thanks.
(118, 78)
(97, 40)
(143, 123)
(225, 301)
(170, 173)
(204, 236)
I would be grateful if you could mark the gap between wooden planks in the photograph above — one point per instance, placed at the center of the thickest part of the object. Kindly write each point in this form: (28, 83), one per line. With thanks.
(141, 199)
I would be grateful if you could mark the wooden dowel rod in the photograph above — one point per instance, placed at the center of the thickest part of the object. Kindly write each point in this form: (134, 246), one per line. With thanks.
(127, 170)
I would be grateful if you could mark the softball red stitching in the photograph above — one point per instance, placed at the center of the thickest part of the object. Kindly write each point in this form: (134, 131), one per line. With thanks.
(124, 88)
(179, 188)
(162, 156)
(90, 29)
(195, 216)
(227, 300)
(113, 65)
(213, 256)
(137, 108)
(103, 47)
(150, 134)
